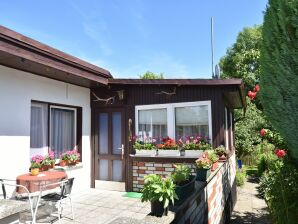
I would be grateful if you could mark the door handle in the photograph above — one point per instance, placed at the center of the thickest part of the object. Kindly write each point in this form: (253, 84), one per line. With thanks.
(122, 151)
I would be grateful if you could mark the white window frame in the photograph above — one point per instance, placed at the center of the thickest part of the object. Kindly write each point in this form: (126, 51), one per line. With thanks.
(226, 128)
(75, 123)
(170, 107)
(232, 132)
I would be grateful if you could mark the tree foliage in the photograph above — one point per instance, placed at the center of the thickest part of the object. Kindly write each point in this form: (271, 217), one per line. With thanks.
(151, 75)
(247, 129)
(242, 59)
(279, 60)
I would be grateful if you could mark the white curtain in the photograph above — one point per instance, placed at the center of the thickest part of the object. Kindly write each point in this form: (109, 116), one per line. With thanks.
(62, 130)
(153, 123)
(39, 129)
(191, 121)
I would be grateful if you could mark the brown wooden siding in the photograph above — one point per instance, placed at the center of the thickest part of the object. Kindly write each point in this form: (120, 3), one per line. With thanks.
(145, 95)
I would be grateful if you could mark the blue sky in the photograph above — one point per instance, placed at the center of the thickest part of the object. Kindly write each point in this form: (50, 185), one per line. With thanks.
(131, 37)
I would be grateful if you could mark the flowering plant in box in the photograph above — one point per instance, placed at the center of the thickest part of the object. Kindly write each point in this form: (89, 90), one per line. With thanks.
(144, 143)
(167, 143)
(194, 143)
(49, 159)
(36, 161)
(71, 156)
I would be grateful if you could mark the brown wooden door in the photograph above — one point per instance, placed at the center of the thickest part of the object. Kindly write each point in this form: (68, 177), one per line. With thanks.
(109, 161)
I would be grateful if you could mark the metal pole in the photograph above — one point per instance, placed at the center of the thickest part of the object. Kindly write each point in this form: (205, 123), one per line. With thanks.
(212, 47)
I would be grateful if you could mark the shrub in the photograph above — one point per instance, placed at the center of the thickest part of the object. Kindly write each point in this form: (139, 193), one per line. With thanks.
(279, 69)
(267, 160)
(240, 178)
(279, 187)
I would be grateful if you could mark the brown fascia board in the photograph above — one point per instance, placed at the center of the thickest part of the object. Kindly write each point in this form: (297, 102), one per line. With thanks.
(37, 46)
(179, 82)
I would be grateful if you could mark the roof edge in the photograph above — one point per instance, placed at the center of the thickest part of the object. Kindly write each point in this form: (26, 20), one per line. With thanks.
(52, 52)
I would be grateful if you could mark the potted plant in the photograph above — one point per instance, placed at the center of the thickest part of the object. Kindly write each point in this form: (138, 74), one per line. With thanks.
(36, 164)
(184, 181)
(203, 167)
(48, 162)
(69, 158)
(160, 192)
(214, 159)
(221, 152)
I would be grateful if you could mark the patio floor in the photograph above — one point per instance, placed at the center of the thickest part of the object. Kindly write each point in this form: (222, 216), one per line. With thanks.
(99, 206)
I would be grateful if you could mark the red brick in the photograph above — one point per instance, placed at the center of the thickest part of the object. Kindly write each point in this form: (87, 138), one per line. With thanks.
(141, 181)
(141, 171)
(134, 163)
(134, 178)
(141, 164)
(159, 168)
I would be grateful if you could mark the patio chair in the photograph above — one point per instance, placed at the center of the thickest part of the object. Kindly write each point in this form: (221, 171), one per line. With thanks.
(27, 196)
(60, 198)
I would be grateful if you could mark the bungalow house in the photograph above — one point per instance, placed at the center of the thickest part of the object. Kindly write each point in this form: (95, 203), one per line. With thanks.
(53, 101)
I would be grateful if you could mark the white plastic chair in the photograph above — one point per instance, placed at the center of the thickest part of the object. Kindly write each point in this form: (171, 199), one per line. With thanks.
(61, 197)
(16, 196)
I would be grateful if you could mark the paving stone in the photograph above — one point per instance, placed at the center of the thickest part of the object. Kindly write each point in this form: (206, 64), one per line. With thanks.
(249, 208)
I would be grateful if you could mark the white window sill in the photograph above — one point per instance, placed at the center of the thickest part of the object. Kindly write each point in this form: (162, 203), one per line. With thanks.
(69, 168)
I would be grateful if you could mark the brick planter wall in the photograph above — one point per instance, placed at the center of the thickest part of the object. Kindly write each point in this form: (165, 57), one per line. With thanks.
(212, 202)
(141, 169)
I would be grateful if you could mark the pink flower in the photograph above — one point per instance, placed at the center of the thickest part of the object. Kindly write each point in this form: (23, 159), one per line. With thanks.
(187, 142)
(195, 141)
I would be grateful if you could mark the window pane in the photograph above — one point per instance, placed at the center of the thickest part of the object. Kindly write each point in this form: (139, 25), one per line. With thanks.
(117, 170)
(103, 133)
(38, 129)
(153, 123)
(117, 138)
(191, 121)
(62, 130)
(103, 169)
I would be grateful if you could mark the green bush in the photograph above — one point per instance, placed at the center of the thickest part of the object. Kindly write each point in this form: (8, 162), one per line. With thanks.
(279, 187)
(266, 161)
(240, 178)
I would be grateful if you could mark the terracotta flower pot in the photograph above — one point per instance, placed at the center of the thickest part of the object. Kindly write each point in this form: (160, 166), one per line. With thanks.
(34, 171)
(71, 163)
(214, 166)
(63, 162)
(45, 167)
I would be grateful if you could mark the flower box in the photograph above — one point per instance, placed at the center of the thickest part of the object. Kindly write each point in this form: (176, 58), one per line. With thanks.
(193, 153)
(168, 152)
(146, 152)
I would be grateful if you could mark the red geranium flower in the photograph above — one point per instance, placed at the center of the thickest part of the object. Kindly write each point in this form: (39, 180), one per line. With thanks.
(257, 88)
(263, 132)
(280, 153)
(252, 95)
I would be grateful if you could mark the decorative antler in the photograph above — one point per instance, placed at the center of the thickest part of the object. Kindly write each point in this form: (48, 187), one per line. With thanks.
(168, 93)
(109, 100)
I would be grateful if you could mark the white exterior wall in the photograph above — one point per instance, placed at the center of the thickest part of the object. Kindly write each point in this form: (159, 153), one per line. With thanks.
(17, 89)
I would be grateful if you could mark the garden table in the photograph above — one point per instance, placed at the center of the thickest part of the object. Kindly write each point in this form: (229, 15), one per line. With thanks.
(35, 183)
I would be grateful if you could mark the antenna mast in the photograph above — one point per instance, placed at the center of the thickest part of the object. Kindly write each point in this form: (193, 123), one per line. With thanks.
(212, 48)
